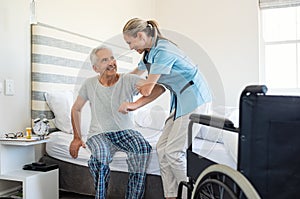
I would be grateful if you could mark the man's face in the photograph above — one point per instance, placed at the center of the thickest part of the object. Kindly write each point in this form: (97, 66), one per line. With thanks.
(106, 64)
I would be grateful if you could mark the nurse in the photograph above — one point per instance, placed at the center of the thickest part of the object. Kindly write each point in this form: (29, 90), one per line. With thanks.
(166, 64)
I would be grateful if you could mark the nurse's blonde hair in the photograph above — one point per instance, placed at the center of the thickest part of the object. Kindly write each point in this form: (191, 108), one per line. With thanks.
(135, 25)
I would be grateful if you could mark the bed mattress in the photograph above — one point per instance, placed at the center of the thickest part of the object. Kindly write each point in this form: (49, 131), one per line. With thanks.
(58, 147)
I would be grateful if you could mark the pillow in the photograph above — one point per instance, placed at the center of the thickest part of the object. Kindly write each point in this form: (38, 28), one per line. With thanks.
(152, 118)
(210, 134)
(231, 113)
(60, 103)
(85, 119)
(215, 134)
(231, 144)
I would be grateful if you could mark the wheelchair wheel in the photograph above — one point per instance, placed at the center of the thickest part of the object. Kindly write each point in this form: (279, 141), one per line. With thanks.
(220, 181)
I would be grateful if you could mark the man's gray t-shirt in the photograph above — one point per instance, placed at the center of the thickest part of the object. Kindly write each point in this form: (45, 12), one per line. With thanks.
(105, 102)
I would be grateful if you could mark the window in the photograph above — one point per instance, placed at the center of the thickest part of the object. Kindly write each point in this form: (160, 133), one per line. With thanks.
(280, 48)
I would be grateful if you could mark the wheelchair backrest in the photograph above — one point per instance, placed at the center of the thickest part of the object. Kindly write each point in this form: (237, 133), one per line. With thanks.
(269, 143)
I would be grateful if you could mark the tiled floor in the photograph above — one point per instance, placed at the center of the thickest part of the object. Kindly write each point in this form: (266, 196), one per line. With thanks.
(67, 195)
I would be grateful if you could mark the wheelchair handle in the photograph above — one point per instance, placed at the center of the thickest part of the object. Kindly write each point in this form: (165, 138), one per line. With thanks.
(255, 90)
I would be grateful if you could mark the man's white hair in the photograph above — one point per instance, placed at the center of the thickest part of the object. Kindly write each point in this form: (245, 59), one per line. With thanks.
(93, 56)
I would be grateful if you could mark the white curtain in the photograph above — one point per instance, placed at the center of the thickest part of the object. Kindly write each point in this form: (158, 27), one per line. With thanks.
(264, 4)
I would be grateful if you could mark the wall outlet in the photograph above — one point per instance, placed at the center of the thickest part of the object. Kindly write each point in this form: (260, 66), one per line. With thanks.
(9, 87)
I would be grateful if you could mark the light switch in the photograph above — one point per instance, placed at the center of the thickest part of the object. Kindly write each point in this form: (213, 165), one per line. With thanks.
(9, 87)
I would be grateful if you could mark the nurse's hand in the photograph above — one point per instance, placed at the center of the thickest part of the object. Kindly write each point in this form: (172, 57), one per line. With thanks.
(125, 107)
(146, 89)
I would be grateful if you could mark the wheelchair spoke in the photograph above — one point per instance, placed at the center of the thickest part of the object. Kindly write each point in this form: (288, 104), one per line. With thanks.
(214, 189)
(221, 182)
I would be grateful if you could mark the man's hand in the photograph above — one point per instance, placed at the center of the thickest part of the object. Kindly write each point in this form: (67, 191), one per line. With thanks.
(74, 147)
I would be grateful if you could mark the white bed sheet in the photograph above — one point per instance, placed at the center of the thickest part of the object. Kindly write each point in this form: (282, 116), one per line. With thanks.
(215, 151)
(58, 147)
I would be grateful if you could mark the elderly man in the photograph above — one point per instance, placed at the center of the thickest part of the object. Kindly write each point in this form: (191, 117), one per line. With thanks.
(110, 96)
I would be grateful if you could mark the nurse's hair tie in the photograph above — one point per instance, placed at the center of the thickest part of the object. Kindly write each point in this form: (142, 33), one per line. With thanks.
(149, 25)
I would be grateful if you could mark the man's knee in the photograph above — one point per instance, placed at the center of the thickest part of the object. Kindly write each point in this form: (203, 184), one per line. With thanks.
(144, 148)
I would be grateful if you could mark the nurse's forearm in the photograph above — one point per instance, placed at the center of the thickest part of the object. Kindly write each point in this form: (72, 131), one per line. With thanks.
(136, 71)
(147, 86)
(156, 92)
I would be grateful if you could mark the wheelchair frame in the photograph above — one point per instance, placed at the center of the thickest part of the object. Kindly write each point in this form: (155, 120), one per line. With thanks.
(261, 166)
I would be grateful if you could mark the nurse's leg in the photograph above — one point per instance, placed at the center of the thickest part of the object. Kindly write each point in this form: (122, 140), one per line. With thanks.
(168, 179)
(175, 149)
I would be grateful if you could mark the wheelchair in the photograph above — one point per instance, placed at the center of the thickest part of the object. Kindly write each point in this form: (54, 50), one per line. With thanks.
(268, 163)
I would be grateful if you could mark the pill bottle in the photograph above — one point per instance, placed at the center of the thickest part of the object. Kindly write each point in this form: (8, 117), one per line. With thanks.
(28, 132)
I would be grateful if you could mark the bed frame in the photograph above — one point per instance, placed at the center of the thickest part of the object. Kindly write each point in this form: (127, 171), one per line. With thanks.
(59, 61)
(72, 176)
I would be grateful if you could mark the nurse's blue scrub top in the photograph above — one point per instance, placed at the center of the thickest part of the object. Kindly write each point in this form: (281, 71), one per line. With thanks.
(178, 74)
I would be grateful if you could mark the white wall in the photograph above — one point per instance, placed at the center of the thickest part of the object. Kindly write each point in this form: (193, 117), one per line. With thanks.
(228, 33)
(15, 64)
(94, 18)
(226, 30)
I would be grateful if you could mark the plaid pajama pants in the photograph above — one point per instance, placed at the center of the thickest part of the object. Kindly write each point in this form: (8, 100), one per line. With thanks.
(103, 147)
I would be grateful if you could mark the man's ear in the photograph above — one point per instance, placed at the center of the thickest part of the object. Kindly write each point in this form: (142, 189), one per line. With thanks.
(95, 68)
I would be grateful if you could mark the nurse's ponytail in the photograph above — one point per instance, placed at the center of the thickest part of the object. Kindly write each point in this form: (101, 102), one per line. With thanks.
(150, 27)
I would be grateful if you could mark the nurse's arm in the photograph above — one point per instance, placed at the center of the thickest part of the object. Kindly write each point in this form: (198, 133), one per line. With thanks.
(147, 86)
(136, 71)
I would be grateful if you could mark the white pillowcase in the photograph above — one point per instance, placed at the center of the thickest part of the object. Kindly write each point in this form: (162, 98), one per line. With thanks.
(85, 119)
(215, 134)
(151, 117)
(231, 143)
(60, 103)
(210, 134)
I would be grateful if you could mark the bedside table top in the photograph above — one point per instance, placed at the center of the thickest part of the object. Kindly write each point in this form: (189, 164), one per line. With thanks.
(21, 141)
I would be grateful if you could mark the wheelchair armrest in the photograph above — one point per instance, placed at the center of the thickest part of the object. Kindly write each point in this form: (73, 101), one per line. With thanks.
(214, 121)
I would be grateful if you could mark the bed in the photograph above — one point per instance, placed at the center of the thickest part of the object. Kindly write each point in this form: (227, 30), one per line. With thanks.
(59, 66)
(76, 170)
(72, 176)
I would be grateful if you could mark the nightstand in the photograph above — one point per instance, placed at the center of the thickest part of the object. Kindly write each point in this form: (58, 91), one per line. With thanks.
(36, 185)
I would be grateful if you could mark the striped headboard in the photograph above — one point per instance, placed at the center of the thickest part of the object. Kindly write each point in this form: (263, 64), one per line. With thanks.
(60, 61)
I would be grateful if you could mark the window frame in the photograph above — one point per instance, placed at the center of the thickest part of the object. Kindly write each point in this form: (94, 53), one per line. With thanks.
(262, 58)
